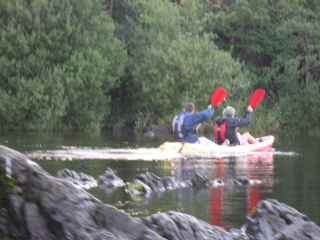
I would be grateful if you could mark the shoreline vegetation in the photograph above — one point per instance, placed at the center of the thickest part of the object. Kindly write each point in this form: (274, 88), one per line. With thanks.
(88, 66)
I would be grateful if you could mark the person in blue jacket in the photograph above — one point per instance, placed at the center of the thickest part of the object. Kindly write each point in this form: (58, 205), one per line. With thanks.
(182, 124)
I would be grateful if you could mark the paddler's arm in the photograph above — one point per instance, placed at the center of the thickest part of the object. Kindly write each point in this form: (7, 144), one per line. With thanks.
(240, 122)
(202, 116)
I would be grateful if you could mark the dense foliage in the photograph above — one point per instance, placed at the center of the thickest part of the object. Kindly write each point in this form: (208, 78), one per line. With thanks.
(279, 41)
(172, 61)
(91, 63)
(59, 60)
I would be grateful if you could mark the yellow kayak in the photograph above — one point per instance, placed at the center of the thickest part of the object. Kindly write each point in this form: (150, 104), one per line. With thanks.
(265, 145)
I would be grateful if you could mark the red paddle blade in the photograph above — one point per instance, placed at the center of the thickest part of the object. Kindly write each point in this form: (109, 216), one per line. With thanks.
(218, 96)
(257, 97)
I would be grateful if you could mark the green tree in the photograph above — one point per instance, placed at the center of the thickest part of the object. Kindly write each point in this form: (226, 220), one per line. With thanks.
(299, 92)
(278, 40)
(126, 19)
(59, 61)
(32, 92)
(173, 61)
(95, 66)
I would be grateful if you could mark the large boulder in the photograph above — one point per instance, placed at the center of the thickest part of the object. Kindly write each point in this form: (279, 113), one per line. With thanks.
(154, 130)
(174, 225)
(36, 205)
(275, 220)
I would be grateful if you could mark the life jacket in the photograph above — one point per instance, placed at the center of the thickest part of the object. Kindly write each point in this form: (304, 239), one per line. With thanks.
(219, 131)
(178, 128)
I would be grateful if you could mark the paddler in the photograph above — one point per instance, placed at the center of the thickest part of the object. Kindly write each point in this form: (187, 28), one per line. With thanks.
(226, 128)
(182, 124)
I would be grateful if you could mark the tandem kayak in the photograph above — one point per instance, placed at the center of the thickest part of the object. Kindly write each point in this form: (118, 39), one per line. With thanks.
(180, 147)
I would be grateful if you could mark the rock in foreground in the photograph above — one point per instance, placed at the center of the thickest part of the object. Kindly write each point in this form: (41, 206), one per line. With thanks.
(36, 205)
(40, 206)
(274, 220)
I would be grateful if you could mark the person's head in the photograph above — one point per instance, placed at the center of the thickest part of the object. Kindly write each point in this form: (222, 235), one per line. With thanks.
(228, 112)
(189, 107)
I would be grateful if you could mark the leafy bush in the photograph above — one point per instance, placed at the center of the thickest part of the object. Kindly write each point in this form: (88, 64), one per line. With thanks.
(279, 43)
(59, 61)
(172, 62)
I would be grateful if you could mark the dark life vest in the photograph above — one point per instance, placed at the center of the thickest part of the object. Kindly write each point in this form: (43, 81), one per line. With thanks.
(219, 131)
(178, 128)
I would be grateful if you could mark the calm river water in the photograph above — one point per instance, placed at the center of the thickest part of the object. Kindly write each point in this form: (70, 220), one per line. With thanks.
(289, 174)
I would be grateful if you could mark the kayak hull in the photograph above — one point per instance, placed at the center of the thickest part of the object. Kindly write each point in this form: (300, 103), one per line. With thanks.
(181, 147)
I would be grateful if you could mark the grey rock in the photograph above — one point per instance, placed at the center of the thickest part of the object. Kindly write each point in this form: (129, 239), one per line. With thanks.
(36, 205)
(61, 209)
(151, 180)
(149, 134)
(275, 220)
(110, 181)
(175, 225)
(79, 179)
(156, 130)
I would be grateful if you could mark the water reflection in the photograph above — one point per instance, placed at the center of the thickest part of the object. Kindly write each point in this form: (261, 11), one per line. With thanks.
(257, 174)
(245, 179)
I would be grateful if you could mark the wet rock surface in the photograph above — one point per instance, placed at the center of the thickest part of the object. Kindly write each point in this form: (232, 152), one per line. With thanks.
(275, 220)
(110, 181)
(83, 180)
(175, 225)
(40, 206)
(36, 205)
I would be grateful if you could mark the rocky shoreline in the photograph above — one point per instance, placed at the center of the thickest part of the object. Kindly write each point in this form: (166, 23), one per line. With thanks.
(36, 205)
